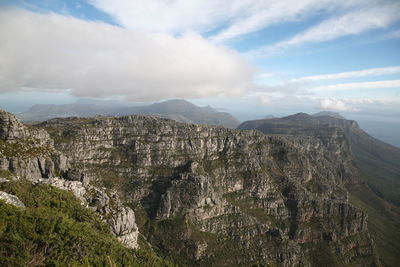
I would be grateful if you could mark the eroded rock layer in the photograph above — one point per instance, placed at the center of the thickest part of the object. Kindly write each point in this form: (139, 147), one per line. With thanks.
(210, 195)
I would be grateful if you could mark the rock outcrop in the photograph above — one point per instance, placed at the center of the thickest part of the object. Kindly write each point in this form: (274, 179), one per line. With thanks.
(224, 197)
(203, 195)
(11, 199)
(28, 153)
(121, 219)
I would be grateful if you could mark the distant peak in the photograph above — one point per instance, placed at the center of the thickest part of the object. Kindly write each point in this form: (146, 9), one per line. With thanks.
(177, 101)
(299, 115)
(269, 117)
(329, 114)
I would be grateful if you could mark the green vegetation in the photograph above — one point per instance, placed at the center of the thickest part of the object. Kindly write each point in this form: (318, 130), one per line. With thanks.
(383, 223)
(24, 149)
(383, 181)
(322, 255)
(184, 242)
(6, 174)
(249, 206)
(56, 230)
(380, 166)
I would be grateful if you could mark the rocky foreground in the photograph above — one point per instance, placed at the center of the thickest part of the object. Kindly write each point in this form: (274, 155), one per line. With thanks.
(202, 195)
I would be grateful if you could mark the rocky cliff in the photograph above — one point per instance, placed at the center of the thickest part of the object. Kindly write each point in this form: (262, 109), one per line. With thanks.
(214, 196)
(379, 161)
(379, 165)
(29, 153)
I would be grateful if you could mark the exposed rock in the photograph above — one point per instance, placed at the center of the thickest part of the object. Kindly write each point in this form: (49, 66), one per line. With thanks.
(28, 152)
(210, 195)
(120, 219)
(279, 197)
(122, 222)
(11, 199)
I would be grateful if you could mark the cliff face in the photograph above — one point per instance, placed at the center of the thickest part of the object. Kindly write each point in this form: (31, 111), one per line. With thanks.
(29, 153)
(211, 195)
(378, 161)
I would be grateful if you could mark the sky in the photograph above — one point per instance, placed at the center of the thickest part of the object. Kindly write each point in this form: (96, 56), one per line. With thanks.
(248, 57)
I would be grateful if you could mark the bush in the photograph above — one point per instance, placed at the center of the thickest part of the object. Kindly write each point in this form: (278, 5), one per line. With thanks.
(56, 230)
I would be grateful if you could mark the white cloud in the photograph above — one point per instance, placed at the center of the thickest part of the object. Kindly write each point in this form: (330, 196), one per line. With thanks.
(395, 34)
(51, 51)
(235, 17)
(263, 14)
(379, 15)
(353, 74)
(375, 101)
(336, 105)
(265, 100)
(392, 35)
(175, 16)
(360, 85)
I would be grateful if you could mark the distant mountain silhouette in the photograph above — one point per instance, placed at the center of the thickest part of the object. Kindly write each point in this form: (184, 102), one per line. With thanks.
(179, 110)
(329, 114)
(269, 117)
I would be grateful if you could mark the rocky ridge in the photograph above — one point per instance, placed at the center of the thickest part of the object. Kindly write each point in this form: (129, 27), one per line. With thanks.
(121, 219)
(376, 159)
(11, 199)
(29, 153)
(222, 197)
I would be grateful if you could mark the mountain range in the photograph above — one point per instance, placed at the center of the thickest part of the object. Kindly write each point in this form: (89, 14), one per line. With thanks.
(303, 190)
(379, 165)
(176, 109)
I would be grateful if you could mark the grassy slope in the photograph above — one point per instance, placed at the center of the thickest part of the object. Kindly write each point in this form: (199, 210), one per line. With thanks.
(56, 230)
(380, 169)
(383, 223)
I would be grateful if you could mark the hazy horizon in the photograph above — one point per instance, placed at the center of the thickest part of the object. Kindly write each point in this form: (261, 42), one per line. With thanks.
(384, 128)
(250, 58)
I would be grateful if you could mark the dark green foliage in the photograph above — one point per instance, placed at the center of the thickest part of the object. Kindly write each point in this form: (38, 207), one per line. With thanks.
(6, 174)
(383, 223)
(24, 148)
(56, 230)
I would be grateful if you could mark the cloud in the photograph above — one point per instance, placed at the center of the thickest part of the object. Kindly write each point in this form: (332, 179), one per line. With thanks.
(379, 15)
(360, 85)
(353, 74)
(263, 14)
(51, 51)
(229, 18)
(395, 34)
(265, 100)
(392, 35)
(336, 105)
(375, 101)
(172, 16)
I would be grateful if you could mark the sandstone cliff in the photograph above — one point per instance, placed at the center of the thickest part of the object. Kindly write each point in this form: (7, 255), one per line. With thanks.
(210, 195)
(28, 153)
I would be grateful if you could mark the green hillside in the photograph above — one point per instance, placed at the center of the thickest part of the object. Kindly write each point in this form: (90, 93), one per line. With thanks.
(56, 230)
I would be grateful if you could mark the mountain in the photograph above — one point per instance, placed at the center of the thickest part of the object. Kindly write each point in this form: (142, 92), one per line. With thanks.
(379, 161)
(44, 225)
(269, 117)
(329, 114)
(184, 111)
(198, 194)
(179, 110)
(379, 165)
